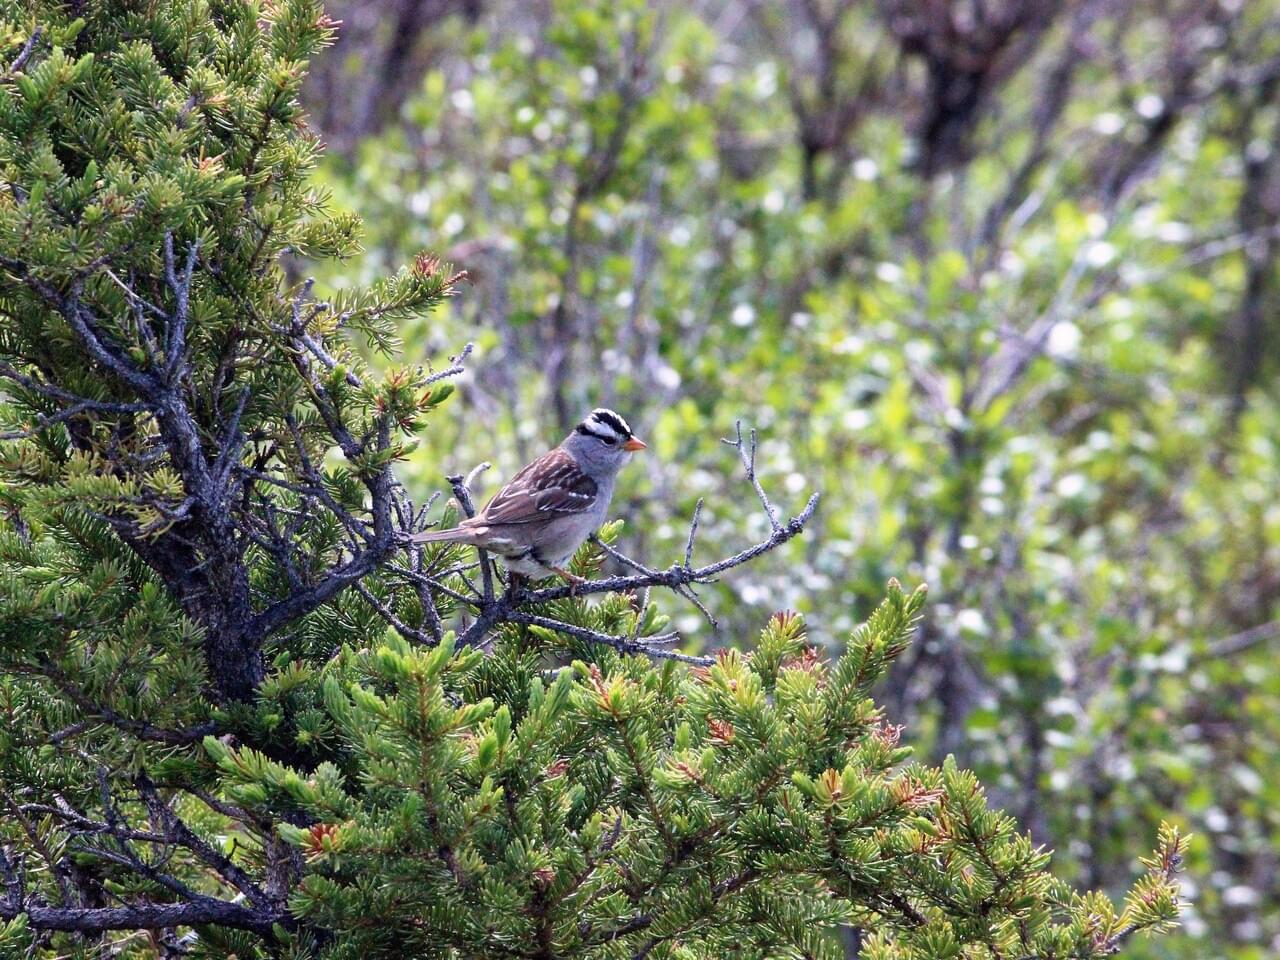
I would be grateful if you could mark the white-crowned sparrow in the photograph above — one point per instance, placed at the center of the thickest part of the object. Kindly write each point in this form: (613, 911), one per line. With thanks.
(537, 521)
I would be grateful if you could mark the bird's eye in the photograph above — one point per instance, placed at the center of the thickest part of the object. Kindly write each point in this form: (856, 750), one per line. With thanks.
(608, 441)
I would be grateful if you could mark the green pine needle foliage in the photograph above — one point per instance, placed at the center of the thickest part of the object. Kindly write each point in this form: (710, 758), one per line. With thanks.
(480, 806)
(193, 448)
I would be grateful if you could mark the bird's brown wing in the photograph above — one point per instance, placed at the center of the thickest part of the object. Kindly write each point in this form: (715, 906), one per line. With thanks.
(548, 486)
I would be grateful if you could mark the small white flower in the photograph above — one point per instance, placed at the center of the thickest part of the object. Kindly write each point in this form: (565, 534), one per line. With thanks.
(1240, 896)
(1064, 340)
(1108, 124)
(856, 419)
(462, 101)
(666, 377)
(1173, 232)
(766, 80)
(453, 225)
(888, 272)
(1149, 106)
(864, 168)
(420, 203)
(1072, 485)
(1099, 254)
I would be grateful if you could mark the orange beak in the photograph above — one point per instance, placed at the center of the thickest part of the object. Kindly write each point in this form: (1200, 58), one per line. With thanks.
(634, 444)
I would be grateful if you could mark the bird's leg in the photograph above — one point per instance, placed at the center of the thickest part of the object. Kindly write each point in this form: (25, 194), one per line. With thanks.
(516, 585)
(575, 581)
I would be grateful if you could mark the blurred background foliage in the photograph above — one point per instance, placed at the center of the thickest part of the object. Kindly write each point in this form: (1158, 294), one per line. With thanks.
(998, 278)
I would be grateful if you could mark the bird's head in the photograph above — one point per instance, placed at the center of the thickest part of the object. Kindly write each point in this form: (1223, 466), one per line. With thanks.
(603, 441)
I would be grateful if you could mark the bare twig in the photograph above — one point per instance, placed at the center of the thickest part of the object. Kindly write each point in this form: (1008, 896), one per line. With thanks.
(1240, 642)
(101, 714)
(693, 533)
(747, 453)
(386, 614)
(623, 644)
(455, 365)
(621, 557)
(178, 832)
(150, 916)
(462, 491)
(180, 283)
(25, 54)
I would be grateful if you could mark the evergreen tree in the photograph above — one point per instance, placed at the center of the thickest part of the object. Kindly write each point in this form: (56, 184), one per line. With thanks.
(237, 721)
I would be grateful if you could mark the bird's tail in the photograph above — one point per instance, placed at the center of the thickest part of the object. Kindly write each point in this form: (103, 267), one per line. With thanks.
(452, 535)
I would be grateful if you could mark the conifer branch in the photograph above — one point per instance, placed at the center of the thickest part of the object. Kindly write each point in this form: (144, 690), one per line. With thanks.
(198, 909)
(54, 392)
(178, 832)
(180, 285)
(385, 612)
(623, 644)
(86, 327)
(511, 606)
(45, 420)
(99, 713)
(170, 833)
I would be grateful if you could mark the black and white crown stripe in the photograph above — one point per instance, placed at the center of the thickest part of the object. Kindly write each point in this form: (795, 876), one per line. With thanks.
(606, 425)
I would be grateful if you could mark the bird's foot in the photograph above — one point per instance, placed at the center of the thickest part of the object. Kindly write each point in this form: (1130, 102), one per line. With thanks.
(575, 581)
